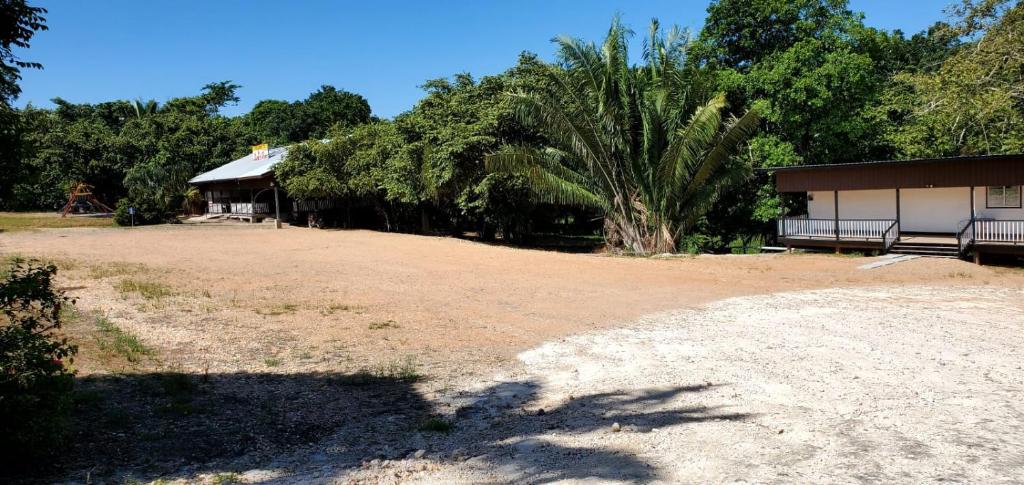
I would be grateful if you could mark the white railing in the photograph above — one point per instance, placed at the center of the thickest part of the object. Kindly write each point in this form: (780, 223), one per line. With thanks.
(247, 208)
(965, 235)
(998, 231)
(890, 236)
(313, 205)
(218, 208)
(848, 228)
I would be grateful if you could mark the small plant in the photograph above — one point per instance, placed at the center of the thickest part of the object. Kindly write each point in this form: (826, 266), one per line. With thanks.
(960, 274)
(279, 309)
(334, 307)
(398, 370)
(272, 362)
(147, 289)
(226, 478)
(383, 325)
(114, 340)
(108, 270)
(437, 425)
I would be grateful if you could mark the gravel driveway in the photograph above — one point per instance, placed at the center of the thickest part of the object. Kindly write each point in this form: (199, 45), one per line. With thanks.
(910, 385)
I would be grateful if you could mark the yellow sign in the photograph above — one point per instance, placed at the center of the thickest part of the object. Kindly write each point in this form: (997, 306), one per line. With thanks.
(261, 151)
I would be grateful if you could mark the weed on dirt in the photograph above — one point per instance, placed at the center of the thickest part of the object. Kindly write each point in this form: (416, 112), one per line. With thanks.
(146, 289)
(117, 342)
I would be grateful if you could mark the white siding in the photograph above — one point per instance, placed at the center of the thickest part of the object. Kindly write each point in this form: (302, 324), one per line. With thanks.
(934, 210)
(921, 210)
(853, 204)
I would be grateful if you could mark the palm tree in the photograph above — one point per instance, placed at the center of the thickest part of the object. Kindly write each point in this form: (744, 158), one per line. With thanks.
(630, 140)
(144, 108)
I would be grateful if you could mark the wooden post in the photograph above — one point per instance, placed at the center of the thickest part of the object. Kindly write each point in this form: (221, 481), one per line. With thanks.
(972, 204)
(835, 198)
(277, 210)
(897, 206)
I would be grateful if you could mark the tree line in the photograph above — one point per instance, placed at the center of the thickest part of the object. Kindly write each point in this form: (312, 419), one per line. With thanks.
(656, 154)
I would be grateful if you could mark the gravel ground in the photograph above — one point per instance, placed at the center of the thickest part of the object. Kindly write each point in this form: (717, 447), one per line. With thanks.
(909, 385)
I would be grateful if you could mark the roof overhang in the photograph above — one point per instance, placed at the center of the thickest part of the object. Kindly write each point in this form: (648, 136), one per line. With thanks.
(974, 171)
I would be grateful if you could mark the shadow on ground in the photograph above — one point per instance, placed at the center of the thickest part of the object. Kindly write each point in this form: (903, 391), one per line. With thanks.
(515, 436)
(153, 425)
(172, 425)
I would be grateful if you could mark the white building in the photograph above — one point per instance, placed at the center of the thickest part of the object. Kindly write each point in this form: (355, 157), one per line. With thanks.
(944, 206)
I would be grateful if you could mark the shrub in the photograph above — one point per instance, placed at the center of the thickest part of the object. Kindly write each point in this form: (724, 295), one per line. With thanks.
(35, 382)
(147, 211)
(500, 202)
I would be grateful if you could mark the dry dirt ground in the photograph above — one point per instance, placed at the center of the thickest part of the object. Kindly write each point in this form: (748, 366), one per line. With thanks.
(302, 355)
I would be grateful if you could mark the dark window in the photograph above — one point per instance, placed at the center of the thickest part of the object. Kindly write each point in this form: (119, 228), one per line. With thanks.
(1003, 197)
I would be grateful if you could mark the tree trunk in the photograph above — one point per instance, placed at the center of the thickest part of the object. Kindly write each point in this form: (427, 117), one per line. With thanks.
(424, 220)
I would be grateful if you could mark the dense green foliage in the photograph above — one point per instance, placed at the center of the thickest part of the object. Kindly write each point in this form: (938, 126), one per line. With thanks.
(424, 170)
(35, 382)
(828, 89)
(630, 140)
(281, 122)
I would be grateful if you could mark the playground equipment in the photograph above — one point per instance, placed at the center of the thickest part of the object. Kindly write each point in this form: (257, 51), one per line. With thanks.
(81, 195)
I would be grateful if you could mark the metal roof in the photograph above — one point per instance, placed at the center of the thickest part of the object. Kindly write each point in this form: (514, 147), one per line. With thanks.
(827, 166)
(243, 168)
(975, 171)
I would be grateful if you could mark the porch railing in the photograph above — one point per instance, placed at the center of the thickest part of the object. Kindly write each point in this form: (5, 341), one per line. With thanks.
(890, 236)
(882, 229)
(250, 208)
(965, 236)
(218, 208)
(987, 230)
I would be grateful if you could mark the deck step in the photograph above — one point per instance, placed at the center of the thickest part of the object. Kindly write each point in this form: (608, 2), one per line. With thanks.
(943, 250)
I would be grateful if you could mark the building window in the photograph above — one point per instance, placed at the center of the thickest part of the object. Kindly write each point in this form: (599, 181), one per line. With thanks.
(1006, 196)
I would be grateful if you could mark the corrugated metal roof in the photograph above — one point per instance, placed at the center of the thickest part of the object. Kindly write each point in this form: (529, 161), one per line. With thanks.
(243, 168)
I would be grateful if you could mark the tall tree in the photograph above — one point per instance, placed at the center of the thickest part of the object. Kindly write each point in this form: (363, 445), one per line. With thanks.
(630, 139)
(974, 102)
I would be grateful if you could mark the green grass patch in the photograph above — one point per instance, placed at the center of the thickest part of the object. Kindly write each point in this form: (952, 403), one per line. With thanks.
(272, 362)
(437, 425)
(113, 340)
(147, 289)
(107, 270)
(28, 221)
(398, 370)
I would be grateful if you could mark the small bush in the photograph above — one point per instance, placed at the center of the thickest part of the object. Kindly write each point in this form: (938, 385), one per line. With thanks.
(437, 425)
(35, 382)
(146, 212)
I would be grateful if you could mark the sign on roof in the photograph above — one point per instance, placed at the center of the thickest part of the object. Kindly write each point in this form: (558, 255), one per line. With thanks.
(261, 152)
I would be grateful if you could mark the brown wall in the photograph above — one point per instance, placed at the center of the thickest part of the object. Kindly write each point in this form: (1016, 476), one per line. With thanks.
(951, 172)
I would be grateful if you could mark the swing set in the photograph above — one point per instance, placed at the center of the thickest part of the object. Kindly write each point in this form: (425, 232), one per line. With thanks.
(81, 195)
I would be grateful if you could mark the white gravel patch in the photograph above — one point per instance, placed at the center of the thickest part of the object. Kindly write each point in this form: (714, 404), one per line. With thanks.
(908, 385)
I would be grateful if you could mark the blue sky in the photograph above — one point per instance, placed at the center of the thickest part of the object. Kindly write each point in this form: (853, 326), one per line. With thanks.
(384, 50)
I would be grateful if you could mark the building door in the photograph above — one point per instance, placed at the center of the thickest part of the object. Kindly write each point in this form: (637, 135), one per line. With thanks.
(936, 210)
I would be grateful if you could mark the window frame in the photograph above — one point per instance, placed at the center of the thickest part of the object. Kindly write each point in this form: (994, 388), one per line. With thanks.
(988, 198)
